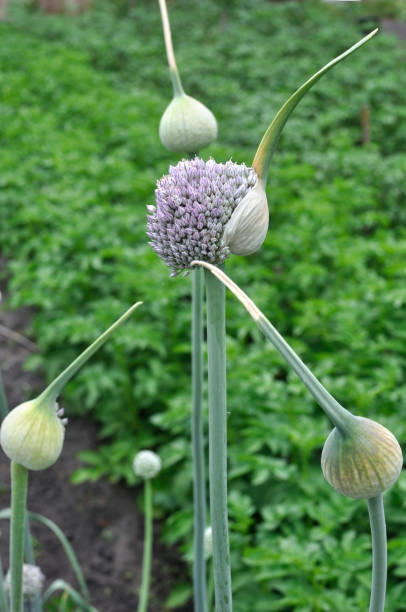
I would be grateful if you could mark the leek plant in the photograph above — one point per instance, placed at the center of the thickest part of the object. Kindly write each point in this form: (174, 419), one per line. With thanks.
(206, 211)
(32, 437)
(360, 459)
(186, 126)
(146, 465)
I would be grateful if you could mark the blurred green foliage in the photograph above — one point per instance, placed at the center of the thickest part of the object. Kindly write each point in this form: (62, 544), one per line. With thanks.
(81, 100)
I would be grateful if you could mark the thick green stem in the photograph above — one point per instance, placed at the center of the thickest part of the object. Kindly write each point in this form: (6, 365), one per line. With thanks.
(146, 562)
(379, 553)
(341, 418)
(199, 484)
(19, 480)
(218, 441)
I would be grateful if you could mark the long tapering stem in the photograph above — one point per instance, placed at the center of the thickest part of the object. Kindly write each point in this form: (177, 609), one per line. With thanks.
(170, 54)
(218, 441)
(54, 389)
(199, 484)
(19, 480)
(333, 410)
(146, 562)
(379, 553)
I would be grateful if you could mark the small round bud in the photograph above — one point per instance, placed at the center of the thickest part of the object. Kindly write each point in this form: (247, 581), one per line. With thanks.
(363, 462)
(187, 125)
(32, 434)
(208, 542)
(146, 464)
(33, 581)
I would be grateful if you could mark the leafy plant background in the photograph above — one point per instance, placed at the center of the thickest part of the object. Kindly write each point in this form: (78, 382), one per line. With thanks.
(81, 100)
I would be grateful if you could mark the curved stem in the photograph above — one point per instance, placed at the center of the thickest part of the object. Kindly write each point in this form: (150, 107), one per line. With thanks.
(341, 418)
(379, 553)
(56, 386)
(271, 137)
(199, 484)
(170, 54)
(146, 562)
(218, 441)
(19, 480)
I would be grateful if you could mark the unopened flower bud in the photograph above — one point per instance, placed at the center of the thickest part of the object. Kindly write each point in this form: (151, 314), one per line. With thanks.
(147, 464)
(187, 125)
(32, 434)
(208, 542)
(194, 215)
(248, 225)
(363, 462)
(33, 581)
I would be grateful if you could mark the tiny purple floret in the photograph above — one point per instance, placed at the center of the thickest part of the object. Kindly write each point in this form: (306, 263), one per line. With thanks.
(194, 202)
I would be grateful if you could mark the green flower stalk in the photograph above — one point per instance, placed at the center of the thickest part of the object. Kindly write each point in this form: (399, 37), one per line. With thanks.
(186, 125)
(32, 437)
(146, 465)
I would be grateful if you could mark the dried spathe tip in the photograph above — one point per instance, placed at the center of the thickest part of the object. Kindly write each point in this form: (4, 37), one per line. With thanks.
(363, 462)
(187, 125)
(147, 464)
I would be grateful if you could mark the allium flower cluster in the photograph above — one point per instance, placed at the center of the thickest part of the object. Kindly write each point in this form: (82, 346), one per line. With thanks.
(147, 464)
(33, 581)
(194, 203)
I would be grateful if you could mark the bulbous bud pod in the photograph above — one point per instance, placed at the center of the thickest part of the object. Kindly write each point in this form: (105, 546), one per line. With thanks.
(187, 125)
(363, 462)
(147, 464)
(32, 434)
(246, 230)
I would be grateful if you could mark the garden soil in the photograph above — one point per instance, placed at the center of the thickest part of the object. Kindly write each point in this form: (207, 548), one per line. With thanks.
(100, 519)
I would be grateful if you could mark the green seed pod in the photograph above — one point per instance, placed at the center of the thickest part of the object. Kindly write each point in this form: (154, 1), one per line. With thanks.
(32, 434)
(187, 125)
(363, 462)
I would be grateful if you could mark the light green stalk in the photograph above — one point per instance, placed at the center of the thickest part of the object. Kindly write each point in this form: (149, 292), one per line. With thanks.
(341, 418)
(19, 480)
(170, 54)
(54, 389)
(379, 553)
(146, 562)
(199, 483)
(218, 441)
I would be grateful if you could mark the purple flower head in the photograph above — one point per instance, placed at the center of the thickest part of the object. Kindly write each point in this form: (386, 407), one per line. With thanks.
(194, 203)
